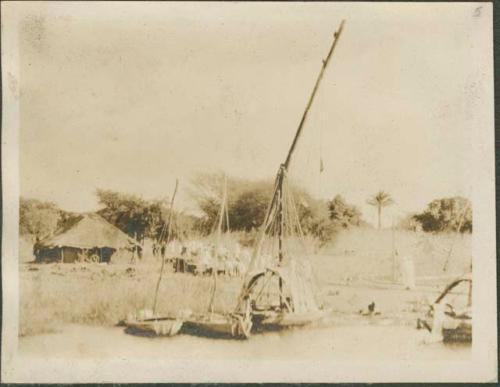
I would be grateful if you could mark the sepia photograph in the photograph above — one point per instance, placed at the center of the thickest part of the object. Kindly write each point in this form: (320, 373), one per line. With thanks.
(248, 192)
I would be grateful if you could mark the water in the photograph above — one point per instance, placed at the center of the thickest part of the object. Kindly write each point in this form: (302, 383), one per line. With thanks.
(360, 341)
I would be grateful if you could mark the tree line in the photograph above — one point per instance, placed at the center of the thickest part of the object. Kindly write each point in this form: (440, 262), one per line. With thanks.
(247, 202)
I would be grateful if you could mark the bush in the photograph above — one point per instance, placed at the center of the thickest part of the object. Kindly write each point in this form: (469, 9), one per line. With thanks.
(448, 214)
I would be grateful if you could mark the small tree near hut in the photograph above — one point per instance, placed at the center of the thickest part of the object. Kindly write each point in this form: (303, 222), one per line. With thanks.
(380, 200)
(39, 219)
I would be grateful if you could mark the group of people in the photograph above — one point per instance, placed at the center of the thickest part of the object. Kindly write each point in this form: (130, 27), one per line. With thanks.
(201, 257)
(208, 257)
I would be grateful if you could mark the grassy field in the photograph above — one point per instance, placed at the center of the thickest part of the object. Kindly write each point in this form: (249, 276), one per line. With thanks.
(347, 271)
(54, 294)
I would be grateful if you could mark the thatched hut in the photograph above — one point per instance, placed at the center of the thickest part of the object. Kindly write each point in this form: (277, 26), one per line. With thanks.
(88, 238)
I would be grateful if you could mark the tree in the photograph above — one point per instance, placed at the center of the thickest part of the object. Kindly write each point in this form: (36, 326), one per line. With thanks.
(343, 214)
(315, 218)
(447, 214)
(380, 200)
(38, 219)
(247, 200)
(132, 214)
(408, 222)
(249, 209)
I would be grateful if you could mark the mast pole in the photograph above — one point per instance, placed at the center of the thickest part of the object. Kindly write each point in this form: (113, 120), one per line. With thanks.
(336, 37)
(221, 211)
(277, 199)
(280, 234)
(169, 232)
(219, 235)
(285, 165)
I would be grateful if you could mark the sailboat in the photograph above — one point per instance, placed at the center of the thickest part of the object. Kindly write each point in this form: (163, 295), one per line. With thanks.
(148, 322)
(215, 323)
(279, 287)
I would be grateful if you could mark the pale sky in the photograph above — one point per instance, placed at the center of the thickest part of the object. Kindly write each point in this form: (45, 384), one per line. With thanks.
(129, 96)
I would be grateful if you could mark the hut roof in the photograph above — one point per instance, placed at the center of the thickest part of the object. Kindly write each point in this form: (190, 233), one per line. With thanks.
(89, 231)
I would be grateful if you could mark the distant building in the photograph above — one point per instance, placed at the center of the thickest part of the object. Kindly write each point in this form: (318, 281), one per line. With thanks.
(88, 238)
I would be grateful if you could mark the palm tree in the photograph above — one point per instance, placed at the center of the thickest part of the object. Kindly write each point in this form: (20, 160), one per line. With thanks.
(380, 199)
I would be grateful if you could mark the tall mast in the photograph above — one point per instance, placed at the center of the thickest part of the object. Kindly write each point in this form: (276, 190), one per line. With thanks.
(276, 203)
(284, 167)
(169, 233)
(286, 164)
(223, 209)
(336, 37)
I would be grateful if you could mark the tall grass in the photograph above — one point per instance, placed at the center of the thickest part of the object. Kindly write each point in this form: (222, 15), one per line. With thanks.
(102, 295)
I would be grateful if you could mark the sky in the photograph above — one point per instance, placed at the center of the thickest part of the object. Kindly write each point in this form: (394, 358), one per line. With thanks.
(130, 96)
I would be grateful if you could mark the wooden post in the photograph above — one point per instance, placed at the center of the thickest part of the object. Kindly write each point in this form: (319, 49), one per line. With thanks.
(62, 254)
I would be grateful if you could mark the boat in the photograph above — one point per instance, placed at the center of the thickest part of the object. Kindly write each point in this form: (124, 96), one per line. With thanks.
(218, 324)
(279, 289)
(295, 310)
(153, 326)
(147, 322)
(449, 318)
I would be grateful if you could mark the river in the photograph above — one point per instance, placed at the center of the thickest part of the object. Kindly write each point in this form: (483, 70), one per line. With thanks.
(363, 340)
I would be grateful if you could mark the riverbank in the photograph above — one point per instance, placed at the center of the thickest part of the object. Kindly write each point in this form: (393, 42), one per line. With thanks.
(353, 340)
(53, 295)
(357, 270)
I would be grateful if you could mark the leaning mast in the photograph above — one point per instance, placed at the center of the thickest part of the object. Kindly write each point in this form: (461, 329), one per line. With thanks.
(275, 208)
(278, 195)
(336, 37)
(284, 167)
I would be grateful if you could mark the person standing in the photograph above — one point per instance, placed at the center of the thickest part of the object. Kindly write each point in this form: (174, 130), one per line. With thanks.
(36, 248)
(408, 271)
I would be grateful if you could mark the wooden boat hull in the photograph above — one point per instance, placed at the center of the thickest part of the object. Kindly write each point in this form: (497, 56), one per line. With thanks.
(164, 326)
(453, 327)
(460, 334)
(219, 326)
(281, 320)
